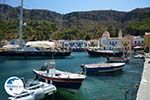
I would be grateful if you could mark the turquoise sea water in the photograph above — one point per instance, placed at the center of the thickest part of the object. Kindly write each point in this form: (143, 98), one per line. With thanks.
(110, 86)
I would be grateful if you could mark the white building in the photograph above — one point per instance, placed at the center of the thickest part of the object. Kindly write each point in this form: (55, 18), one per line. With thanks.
(63, 43)
(93, 43)
(41, 44)
(114, 43)
(73, 44)
(109, 43)
(137, 41)
(104, 41)
(78, 43)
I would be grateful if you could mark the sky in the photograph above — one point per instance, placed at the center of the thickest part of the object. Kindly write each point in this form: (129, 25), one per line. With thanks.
(67, 6)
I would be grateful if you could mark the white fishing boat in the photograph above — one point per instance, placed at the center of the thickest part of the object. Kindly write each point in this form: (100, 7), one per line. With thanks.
(101, 67)
(33, 90)
(61, 79)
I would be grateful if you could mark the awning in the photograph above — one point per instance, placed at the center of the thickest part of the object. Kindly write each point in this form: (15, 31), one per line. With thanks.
(137, 47)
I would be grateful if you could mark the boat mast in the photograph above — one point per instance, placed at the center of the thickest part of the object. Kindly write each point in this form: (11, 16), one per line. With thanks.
(21, 25)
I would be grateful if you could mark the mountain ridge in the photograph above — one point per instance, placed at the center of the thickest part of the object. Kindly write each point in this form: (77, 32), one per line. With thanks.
(76, 25)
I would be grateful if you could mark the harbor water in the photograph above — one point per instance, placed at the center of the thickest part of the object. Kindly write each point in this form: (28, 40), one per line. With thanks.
(121, 85)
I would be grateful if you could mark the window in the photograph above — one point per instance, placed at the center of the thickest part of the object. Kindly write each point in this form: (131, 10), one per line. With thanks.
(139, 42)
(142, 42)
(110, 43)
(135, 42)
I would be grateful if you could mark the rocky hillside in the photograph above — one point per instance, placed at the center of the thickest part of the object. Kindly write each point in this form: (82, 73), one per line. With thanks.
(44, 24)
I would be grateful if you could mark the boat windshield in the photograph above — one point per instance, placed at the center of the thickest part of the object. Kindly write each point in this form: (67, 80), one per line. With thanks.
(35, 87)
(23, 95)
(33, 84)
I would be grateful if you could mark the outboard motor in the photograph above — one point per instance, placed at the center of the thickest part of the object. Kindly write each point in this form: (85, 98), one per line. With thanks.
(43, 68)
(108, 59)
(83, 69)
(82, 65)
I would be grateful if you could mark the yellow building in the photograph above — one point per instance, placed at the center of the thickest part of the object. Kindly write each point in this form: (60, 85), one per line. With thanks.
(147, 41)
(127, 42)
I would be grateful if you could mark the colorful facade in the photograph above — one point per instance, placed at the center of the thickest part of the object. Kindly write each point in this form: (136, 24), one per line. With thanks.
(147, 41)
(110, 43)
(127, 43)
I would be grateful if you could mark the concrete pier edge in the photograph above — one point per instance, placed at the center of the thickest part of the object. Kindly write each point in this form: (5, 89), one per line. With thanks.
(144, 88)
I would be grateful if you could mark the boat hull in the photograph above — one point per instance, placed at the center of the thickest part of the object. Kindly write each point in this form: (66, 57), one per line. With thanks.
(33, 54)
(67, 83)
(118, 60)
(101, 69)
(103, 54)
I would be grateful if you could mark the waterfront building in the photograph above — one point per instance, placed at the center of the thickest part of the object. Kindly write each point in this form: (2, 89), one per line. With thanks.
(104, 40)
(110, 43)
(126, 43)
(73, 44)
(114, 43)
(78, 45)
(137, 44)
(147, 41)
(137, 41)
(12, 44)
(62, 43)
(41, 44)
(93, 43)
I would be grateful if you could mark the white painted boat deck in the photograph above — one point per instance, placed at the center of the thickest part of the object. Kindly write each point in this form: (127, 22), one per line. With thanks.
(102, 65)
(144, 88)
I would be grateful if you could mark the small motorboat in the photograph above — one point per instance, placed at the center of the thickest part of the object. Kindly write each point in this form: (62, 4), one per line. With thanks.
(61, 79)
(37, 86)
(138, 56)
(32, 90)
(117, 60)
(26, 95)
(101, 67)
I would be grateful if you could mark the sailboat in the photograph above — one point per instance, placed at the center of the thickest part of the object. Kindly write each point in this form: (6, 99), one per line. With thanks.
(30, 52)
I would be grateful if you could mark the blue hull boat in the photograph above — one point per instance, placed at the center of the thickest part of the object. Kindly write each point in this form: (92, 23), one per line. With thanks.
(102, 67)
(117, 60)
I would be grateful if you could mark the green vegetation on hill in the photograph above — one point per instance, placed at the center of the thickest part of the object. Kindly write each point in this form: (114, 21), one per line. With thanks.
(34, 30)
(138, 26)
(44, 24)
(39, 30)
